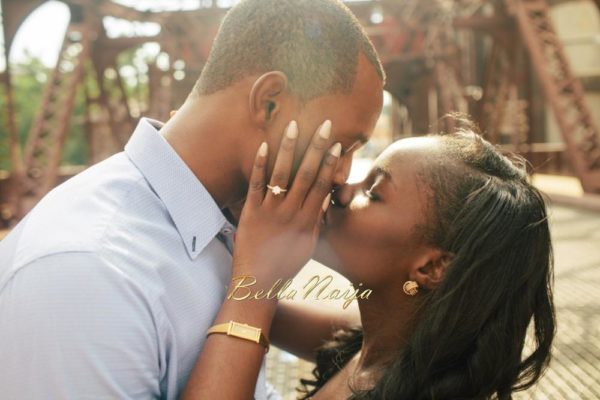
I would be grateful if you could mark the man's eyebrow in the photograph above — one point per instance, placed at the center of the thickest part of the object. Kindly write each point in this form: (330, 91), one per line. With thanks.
(358, 138)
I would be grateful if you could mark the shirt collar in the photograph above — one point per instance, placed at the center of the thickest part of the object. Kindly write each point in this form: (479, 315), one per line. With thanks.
(196, 215)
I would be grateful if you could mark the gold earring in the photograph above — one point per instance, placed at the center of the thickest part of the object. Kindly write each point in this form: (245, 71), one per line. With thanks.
(410, 288)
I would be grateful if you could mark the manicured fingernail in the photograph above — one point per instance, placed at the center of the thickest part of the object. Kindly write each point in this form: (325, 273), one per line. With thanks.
(327, 202)
(336, 149)
(292, 130)
(325, 130)
(262, 151)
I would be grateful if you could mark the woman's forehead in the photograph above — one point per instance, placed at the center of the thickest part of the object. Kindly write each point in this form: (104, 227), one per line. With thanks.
(407, 150)
(401, 162)
(416, 144)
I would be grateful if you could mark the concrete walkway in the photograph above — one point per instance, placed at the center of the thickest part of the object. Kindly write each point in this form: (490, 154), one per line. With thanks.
(575, 370)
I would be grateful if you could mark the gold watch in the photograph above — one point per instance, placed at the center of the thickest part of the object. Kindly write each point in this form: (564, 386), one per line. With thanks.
(242, 331)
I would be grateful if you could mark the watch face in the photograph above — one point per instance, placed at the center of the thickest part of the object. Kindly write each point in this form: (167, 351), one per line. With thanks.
(244, 331)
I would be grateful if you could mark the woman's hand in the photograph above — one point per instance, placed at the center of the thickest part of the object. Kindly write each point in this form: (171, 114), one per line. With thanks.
(275, 238)
(277, 233)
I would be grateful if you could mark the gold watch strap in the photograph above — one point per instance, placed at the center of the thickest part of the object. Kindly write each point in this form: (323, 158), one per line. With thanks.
(242, 331)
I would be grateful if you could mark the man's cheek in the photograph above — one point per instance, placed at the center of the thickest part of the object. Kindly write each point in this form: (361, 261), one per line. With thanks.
(235, 210)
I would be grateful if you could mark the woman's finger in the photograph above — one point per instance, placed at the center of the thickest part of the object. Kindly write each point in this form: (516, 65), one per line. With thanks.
(283, 164)
(256, 187)
(324, 181)
(311, 163)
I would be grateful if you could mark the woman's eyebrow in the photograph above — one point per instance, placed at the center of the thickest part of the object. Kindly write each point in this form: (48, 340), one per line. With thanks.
(378, 171)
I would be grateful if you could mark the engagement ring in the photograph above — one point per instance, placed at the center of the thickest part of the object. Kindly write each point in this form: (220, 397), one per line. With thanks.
(276, 190)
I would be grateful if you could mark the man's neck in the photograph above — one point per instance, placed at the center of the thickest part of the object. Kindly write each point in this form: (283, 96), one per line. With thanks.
(202, 134)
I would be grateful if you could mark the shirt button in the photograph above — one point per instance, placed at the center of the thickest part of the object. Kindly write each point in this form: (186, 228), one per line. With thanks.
(227, 231)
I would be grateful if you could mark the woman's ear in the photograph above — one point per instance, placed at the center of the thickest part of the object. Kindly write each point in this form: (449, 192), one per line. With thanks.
(430, 269)
(266, 97)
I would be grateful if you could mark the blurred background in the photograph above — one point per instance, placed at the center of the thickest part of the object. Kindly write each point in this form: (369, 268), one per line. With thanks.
(76, 75)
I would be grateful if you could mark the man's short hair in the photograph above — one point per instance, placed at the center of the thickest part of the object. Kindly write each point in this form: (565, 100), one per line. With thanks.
(316, 43)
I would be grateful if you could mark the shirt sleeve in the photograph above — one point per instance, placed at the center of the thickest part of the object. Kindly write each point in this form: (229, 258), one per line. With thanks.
(74, 327)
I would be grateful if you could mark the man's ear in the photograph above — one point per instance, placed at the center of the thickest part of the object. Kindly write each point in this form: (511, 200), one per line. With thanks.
(430, 269)
(266, 97)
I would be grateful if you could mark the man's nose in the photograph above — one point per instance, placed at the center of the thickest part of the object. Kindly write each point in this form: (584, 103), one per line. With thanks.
(342, 195)
(343, 170)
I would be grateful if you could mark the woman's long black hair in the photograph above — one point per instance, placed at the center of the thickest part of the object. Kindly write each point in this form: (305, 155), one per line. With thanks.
(469, 340)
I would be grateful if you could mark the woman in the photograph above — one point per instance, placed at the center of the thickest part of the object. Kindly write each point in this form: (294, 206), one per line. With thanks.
(453, 242)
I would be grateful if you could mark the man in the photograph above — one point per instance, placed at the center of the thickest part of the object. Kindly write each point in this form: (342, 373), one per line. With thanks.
(108, 286)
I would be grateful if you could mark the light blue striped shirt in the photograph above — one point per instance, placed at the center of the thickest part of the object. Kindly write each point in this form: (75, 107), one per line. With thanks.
(109, 284)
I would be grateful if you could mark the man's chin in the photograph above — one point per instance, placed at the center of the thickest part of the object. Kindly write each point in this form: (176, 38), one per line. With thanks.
(325, 254)
(234, 211)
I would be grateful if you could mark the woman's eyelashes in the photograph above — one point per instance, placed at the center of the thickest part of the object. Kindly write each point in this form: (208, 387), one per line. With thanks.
(372, 195)
(372, 182)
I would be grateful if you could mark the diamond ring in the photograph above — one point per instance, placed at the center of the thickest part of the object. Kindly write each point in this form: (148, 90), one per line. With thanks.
(276, 190)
